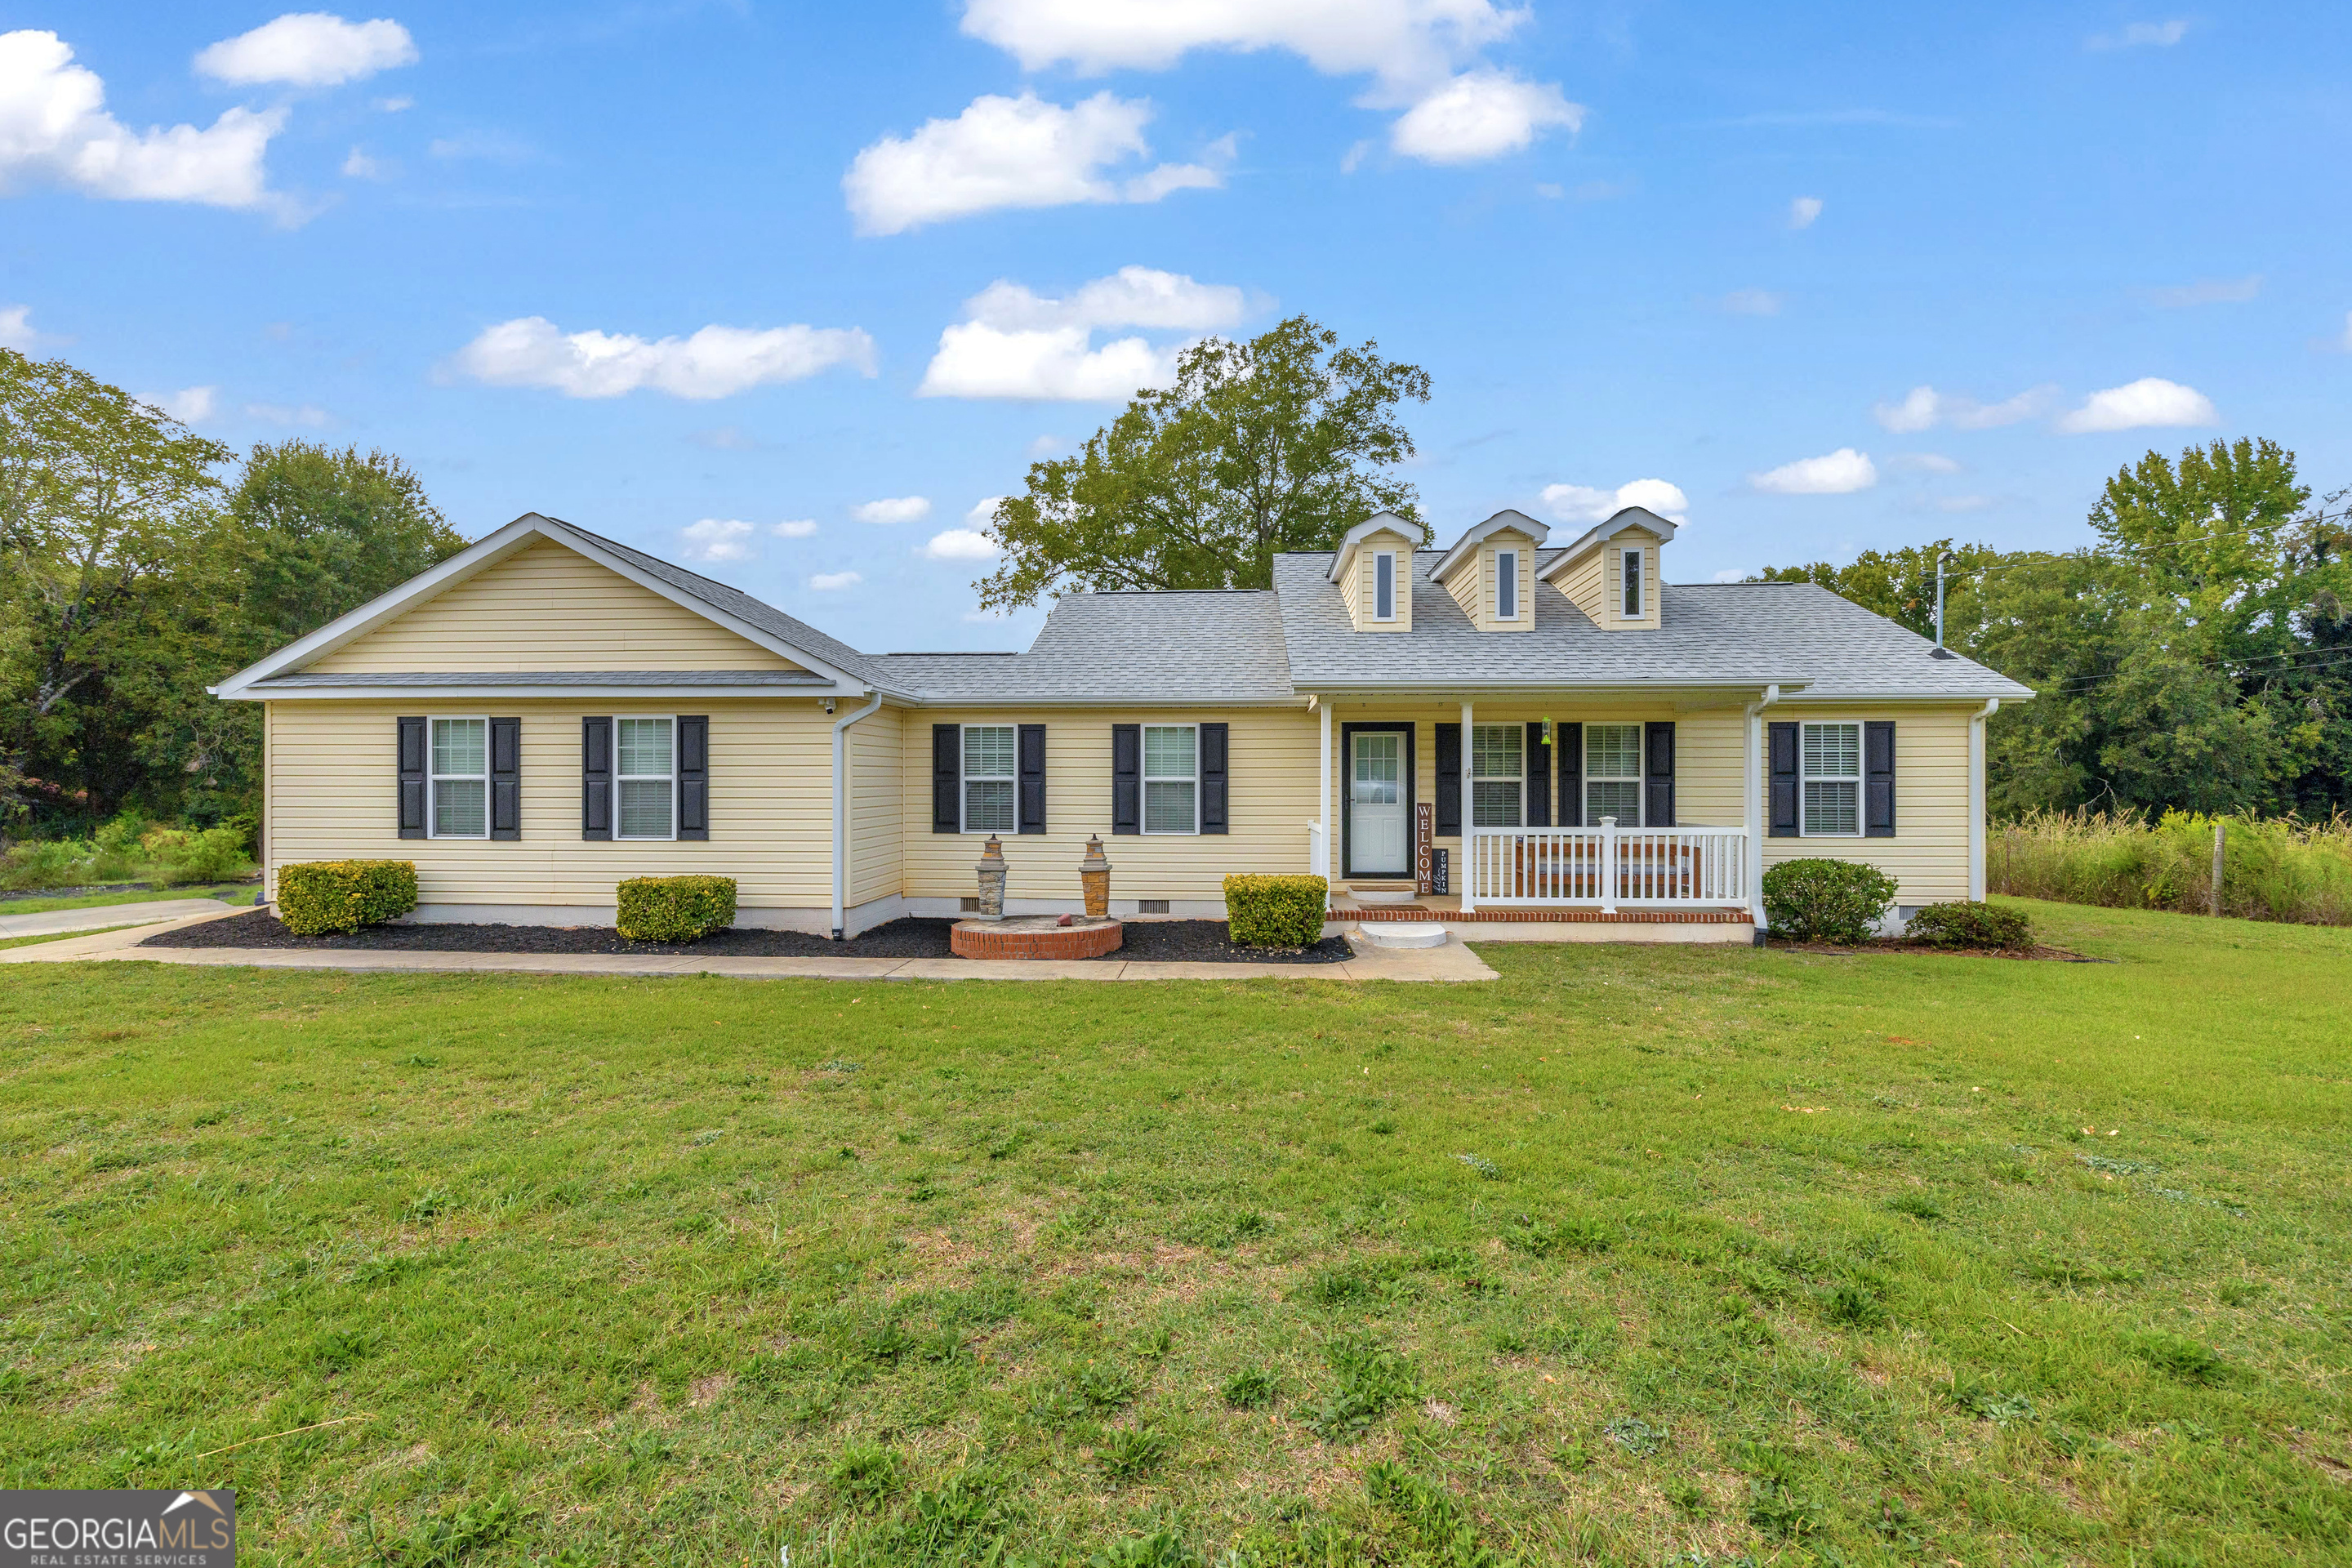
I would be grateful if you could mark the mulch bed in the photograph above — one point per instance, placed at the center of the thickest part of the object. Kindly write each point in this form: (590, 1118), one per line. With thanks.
(1193, 941)
(1897, 944)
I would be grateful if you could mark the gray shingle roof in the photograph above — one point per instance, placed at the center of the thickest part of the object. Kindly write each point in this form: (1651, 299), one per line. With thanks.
(1180, 646)
(1711, 634)
(559, 678)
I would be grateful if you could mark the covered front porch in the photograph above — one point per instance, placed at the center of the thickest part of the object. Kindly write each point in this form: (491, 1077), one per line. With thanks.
(1613, 814)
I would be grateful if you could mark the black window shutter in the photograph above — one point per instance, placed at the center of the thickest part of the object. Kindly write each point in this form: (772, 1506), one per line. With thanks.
(1127, 778)
(1783, 763)
(1449, 782)
(693, 776)
(506, 778)
(1538, 776)
(596, 778)
(947, 778)
(412, 777)
(1032, 778)
(1878, 779)
(1572, 775)
(1214, 794)
(1658, 773)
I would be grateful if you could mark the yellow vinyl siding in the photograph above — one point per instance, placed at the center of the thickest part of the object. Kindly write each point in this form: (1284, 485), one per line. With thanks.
(547, 607)
(1929, 855)
(334, 794)
(1359, 588)
(877, 815)
(1593, 580)
(1271, 798)
(1472, 582)
(1580, 582)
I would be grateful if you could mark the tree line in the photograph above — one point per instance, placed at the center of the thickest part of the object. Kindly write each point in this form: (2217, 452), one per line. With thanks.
(2198, 657)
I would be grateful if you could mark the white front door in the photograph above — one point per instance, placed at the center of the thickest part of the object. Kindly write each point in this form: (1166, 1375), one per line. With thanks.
(1378, 844)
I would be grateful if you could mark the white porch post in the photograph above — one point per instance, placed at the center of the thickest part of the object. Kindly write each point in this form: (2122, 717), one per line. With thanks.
(1752, 819)
(1469, 819)
(1323, 814)
(1976, 798)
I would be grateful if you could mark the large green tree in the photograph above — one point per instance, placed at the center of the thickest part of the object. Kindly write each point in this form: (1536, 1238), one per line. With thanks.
(317, 533)
(1281, 443)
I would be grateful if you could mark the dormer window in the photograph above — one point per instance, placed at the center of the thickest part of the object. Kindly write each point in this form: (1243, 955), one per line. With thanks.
(1385, 566)
(1633, 598)
(1506, 584)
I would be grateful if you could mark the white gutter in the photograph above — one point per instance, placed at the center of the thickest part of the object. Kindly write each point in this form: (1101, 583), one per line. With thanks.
(1752, 819)
(1977, 797)
(841, 807)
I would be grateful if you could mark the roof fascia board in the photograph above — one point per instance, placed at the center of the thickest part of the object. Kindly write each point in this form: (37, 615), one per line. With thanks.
(1452, 692)
(263, 692)
(1466, 547)
(1010, 702)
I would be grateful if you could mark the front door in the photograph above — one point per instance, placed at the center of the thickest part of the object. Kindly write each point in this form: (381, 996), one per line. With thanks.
(1378, 773)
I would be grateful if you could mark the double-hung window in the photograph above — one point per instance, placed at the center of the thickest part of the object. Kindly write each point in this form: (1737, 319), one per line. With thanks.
(1384, 585)
(990, 767)
(1497, 775)
(647, 778)
(1832, 775)
(1632, 570)
(1612, 773)
(1507, 586)
(461, 778)
(1172, 778)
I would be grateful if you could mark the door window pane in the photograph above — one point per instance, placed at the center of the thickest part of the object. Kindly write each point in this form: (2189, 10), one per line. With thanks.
(988, 776)
(1380, 769)
(1171, 778)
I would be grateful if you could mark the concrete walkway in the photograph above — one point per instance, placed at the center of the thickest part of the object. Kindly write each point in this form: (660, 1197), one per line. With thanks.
(1452, 962)
(96, 917)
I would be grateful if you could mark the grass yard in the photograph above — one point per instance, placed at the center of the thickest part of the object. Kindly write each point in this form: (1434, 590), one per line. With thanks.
(1639, 1255)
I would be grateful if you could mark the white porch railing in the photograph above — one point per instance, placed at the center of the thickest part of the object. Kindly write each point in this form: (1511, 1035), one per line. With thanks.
(1604, 867)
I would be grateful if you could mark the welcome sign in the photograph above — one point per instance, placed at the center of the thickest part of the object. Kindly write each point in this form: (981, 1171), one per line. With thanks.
(118, 1530)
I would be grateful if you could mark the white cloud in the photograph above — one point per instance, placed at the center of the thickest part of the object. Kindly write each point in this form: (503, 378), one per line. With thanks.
(309, 415)
(2207, 291)
(1582, 503)
(1482, 114)
(358, 165)
(1803, 211)
(893, 509)
(394, 105)
(983, 511)
(1752, 303)
(833, 581)
(2151, 400)
(715, 362)
(1047, 445)
(961, 544)
(53, 127)
(716, 539)
(1837, 473)
(1017, 345)
(793, 527)
(1012, 153)
(190, 405)
(1923, 408)
(1926, 462)
(308, 48)
(2140, 35)
(16, 328)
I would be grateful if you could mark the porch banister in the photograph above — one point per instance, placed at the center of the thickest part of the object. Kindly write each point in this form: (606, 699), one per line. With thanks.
(1752, 816)
(1466, 872)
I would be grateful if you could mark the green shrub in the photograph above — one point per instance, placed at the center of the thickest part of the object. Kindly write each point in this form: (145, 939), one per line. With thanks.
(1972, 925)
(675, 908)
(216, 855)
(44, 863)
(1826, 900)
(316, 898)
(1276, 912)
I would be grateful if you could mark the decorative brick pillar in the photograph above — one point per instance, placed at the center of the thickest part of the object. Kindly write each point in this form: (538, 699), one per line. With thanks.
(992, 879)
(1094, 876)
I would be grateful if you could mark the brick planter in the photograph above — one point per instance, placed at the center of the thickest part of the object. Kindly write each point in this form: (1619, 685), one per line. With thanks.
(1034, 936)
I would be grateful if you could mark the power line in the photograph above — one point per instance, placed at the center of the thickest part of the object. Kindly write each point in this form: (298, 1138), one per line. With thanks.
(2305, 659)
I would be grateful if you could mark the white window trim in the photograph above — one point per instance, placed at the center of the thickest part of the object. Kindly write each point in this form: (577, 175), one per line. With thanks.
(964, 777)
(1518, 577)
(619, 778)
(1633, 553)
(1805, 828)
(433, 796)
(1144, 779)
(1475, 779)
(1639, 778)
(1389, 557)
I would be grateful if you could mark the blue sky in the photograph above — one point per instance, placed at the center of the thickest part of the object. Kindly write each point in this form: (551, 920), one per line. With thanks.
(715, 280)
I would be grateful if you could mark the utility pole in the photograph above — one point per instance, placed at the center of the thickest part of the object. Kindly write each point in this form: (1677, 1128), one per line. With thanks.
(1939, 598)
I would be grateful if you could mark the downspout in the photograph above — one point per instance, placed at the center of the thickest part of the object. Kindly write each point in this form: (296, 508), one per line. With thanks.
(1753, 817)
(841, 807)
(1977, 797)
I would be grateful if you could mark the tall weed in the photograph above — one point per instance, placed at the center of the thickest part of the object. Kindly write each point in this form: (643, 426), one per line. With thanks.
(2278, 869)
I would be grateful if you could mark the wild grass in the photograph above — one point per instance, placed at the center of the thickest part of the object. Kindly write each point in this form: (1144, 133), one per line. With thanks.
(128, 848)
(1870, 1260)
(2273, 868)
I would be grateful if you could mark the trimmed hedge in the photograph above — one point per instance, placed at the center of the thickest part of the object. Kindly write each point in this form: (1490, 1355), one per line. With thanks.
(317, 898)
(675, 909)
(1962, 924)
(1826, 900)
(1276, 912)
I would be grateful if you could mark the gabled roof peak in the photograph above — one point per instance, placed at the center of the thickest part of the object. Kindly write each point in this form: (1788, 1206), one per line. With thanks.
(1466, 547)
(1379, 522)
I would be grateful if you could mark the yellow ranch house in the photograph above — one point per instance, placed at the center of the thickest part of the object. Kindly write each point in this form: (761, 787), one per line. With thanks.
(1520, 738)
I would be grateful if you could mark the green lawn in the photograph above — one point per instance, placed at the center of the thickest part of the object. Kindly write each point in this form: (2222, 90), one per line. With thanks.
(1637, 1255)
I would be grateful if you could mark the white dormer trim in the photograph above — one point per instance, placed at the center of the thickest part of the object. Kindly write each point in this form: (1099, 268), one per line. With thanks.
(1467, 547)
(482, 554)
(1628, 517)
(1351, 540)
